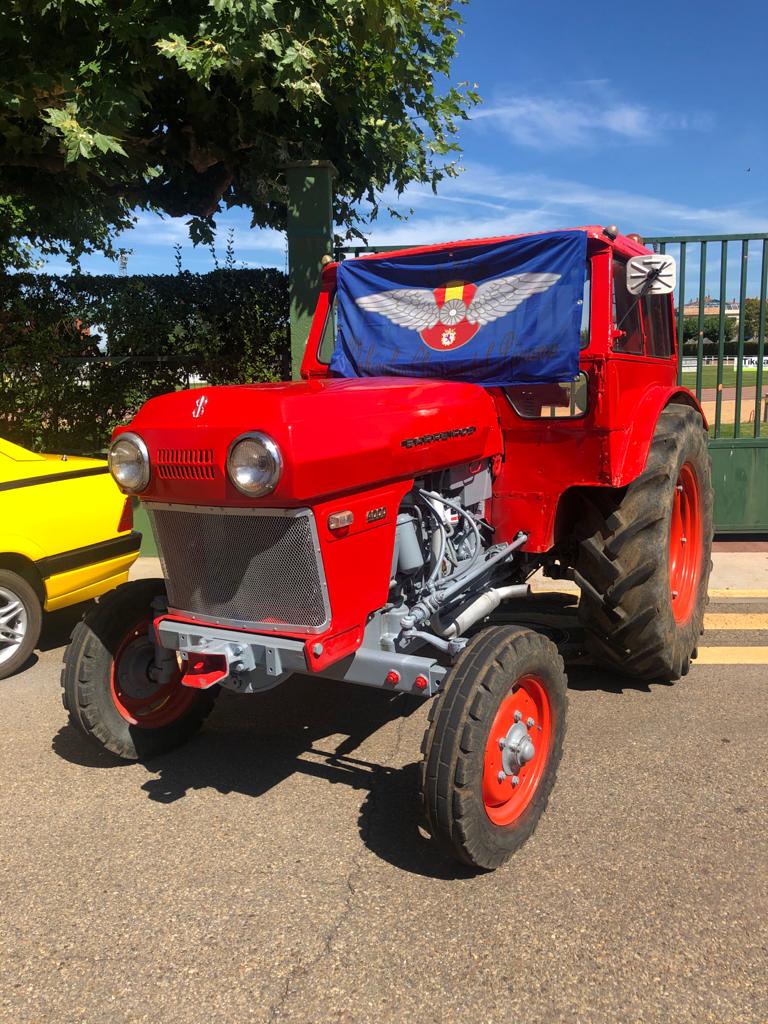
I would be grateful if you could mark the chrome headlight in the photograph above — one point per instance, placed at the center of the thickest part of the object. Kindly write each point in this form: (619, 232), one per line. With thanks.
(129, 463)
(254, 464)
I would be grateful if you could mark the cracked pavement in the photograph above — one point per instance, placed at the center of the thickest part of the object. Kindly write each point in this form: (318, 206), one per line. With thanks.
(272, 870)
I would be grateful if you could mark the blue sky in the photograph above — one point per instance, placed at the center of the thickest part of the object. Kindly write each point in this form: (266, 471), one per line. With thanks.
(649, 116)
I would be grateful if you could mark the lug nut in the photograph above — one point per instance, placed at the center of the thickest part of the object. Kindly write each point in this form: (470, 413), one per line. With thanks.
(530, 723)
(518, 715)
(502, 742)
(501, 776)
(515, 780)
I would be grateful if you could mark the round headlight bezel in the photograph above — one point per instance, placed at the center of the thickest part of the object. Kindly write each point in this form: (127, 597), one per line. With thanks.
(146, 464)
(272, 449)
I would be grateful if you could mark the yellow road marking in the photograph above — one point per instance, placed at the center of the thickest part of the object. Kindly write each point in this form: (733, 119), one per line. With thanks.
(735, 620)
(728, 592)
(732, 656)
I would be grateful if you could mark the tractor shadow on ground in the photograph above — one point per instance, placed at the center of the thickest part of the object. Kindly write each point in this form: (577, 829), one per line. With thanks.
(587, 678)
(251, 744)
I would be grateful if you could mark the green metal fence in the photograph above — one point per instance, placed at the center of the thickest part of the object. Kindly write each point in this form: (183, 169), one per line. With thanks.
(723, 359)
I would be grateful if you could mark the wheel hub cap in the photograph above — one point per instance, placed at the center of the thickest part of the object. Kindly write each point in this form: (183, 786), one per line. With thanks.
(142, 700)
(13, 624)
(133, 670)
(517, 749)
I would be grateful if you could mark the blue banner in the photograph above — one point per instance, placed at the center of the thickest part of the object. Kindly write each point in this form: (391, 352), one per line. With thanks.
(495, 314)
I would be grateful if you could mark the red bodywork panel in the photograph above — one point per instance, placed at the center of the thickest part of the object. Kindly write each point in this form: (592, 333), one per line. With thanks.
(358, 445)
(544, 458)
(337, 436)
(348, 445)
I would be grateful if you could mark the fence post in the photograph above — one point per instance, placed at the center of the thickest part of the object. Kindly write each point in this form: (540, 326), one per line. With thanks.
(310, 237)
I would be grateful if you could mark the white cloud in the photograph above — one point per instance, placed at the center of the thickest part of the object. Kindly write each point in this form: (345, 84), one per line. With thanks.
(154, 230)
(544, 122)
(532, 202)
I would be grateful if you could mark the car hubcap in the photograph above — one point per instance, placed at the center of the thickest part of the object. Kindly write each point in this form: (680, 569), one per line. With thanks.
(13, 624)
(685, 545)
(517, 750)
(140, 699)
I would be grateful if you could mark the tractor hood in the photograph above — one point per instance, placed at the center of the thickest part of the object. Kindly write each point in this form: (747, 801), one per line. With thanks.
(335, 436)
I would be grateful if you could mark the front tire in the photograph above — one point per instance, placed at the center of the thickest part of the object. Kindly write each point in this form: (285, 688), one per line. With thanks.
(21, 617)
(108, 692)
(484, 798)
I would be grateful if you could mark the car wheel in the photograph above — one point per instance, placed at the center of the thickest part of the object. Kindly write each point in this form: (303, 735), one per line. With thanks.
(21, 617)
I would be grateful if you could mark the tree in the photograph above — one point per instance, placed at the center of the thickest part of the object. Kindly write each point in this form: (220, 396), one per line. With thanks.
(107, 108)
(751, 318)
(710, 326)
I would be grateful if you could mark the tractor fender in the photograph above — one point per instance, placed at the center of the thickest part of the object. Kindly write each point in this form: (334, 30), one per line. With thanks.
(630, 456)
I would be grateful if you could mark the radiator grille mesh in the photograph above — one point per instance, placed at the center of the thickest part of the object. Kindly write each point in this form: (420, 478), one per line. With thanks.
(241, 568)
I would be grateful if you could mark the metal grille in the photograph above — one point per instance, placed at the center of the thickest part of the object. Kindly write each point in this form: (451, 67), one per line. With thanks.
(185, 464)
(257, 567)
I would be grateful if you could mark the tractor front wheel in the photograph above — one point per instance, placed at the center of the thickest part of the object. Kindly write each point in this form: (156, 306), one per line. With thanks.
(646, 557)
(493, 746)
(110, 688)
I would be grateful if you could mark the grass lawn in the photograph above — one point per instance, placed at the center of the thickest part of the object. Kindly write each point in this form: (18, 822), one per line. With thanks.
(709, 377)
(746, 430)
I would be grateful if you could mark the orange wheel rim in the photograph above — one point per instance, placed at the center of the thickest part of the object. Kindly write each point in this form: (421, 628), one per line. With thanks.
(685, 537)
(138, 700)
(524, 716)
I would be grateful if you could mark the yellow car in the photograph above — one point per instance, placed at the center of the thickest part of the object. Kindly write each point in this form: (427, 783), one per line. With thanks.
(66, 535)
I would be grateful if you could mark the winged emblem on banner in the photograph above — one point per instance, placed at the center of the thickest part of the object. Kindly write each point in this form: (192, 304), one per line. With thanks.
(449, 317)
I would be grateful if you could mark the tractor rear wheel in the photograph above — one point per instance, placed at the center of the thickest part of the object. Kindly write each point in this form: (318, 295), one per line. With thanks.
(493, 745)
(645, 564)
(109, 689)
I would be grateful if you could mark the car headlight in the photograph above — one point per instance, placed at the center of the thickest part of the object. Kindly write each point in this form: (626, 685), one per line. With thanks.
(254, 464)
(129, 463)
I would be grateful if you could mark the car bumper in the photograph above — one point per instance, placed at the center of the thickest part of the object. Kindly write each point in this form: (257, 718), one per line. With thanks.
(85, 573)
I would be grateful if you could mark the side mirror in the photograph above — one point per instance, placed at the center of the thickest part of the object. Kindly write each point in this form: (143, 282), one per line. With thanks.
(654, 274)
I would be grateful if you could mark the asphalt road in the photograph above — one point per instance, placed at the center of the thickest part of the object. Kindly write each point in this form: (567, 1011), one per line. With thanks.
(272, 870)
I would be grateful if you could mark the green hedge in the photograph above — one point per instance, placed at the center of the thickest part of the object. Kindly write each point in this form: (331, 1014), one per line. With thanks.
(80, 353)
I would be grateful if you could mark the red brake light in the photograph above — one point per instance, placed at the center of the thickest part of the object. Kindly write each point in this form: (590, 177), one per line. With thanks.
(126, 517)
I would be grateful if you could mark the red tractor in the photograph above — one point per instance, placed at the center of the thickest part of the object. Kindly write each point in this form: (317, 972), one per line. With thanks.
(378, 521)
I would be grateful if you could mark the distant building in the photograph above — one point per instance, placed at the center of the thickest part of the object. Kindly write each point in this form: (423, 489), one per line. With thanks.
(712, 307)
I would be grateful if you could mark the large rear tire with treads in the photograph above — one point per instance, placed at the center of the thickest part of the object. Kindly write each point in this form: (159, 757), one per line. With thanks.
(645, 562)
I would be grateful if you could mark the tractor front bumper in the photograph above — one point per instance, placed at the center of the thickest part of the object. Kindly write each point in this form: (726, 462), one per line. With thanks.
(251, 663)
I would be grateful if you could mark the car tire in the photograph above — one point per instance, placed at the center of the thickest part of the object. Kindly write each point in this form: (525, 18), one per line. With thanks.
(20, 613)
